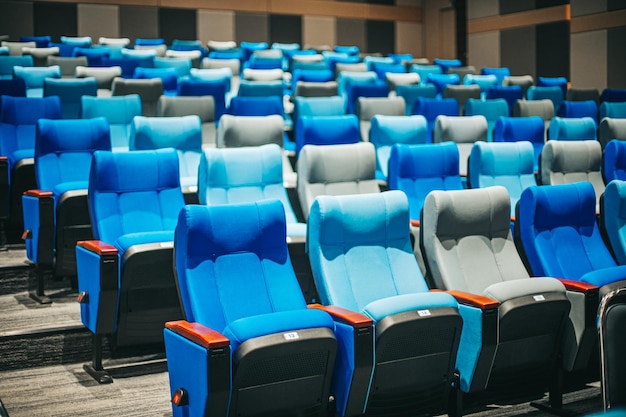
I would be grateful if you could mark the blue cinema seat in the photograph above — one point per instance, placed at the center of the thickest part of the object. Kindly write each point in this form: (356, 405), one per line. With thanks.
(326, 130)
(362, 260)
(18, 121)
(587, 108)
(56, 215)
(613, 219)
(491, 109)
(514, 129)
(410, 93)
(386, 131)
(70, 92)
(616, 110)
(248, 344)
(432, 108)
(34, 78)
(511, 94)
(119, 112)
(125, 279)
(614, 161)
(184, 134)
(579, 128)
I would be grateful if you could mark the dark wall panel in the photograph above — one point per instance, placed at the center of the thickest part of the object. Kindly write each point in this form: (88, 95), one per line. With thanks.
(616, 65)
(517, 50)
(550, 3)
(139, 22)
(352, 32)
(177, 24)
(552, 46)
(16, 19)
(55, 19)
(508, 6)
(251, 27)
(381, 36)
(285, 28)
(615, 5)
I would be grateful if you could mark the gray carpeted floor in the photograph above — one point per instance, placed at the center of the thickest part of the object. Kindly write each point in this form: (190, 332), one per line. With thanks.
(43, 347)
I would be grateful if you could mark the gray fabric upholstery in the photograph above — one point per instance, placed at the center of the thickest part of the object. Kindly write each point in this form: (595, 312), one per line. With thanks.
(15, 48)
(159, 49)
(566, 162)
(238, 131)
(395, 79)
(368, 107)
(467, 241)
(68, 65)
(195, 56)
(462, 71)
(201, 106)
(221, 45)
(103, 75)
(354, 67)
(462, 93)
(149, 91)
(262, 74)
(610, 129)
(542, 108)
(40, 55)
(315, 89)
(335, 170)
(582, 94)
(464, 130)
(523, 81)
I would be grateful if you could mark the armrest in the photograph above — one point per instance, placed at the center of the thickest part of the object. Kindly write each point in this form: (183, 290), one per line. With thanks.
(346, 316)
(38, 193)
(198, 333)
(474, 300)
(38, 209)
(4, 183)
(415, 223)
(98, 247)
(578, 286)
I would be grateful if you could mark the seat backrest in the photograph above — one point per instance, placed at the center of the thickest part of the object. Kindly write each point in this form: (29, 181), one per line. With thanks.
(614, 161)
(15, 48)
(168, 76)
(368, 107)
(560, 82)
(35, 76)
(461, 93)
(346, 78)
(541, 108)
(356, 90)
(613, 110)
(565, 128)
(441, 81)
(466, 238)
(464, 130)
(523, 81)
(491, 109)
(326, 130)
(134, 192)
(14, 87)
(7, 63)
(239, 131)
(149, 90)
(18, 121)
(410, 93)
(243, 175)
(226, 256)
(565, 162)
(119, 112)
(70, 92)
(509, 164)
(611, 129)
(613, 95)
(256, 106)
(182, 65)
(315, 89)
(482, 81)
(386, 131)
(511, 93)
(611, 319)
(500, 72)
(432, 108)
(419, 169)
(575, 109)
(64, 148)
(181, 133)
(103, 75)
(68, 65)
(201, 106)
(260, 88)
(344, 231)
(583, 94)
(335, 170)
(524, 128)
(557, 231)
(552, 93)
(613, 215)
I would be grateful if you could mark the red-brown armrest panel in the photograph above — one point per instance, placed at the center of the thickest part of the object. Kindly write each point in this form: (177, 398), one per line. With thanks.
(353, 318)
(475, 300)
(38, 193)
(415, 223)
(198, 333)
(98, 247)
(578, 285)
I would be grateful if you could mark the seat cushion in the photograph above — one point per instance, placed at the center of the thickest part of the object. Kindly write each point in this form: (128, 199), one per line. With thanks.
(124, 242)
(379, 309)
(507, 290)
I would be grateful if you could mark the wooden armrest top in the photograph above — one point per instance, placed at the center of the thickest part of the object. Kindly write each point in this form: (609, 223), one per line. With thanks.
(474, 300)
(38, 193)
(98, 246)
(4, 158)
(198, 333)
(415, 223)
(353, 318)
(578, 285)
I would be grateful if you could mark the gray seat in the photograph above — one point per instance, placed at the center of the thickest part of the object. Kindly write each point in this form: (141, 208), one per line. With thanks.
(149, 90)
(542, 108)
(395, 79)
(68, 65)
(566, 162)
(523, 81)
(40, 55)
(464, 130)
(467, 246)
(335, 170)
(16, 48)
(462, 71)
(201, 106)
(462, 93)
(352, 67)
(315, 89)
(103, 75)
(368, 107)
(611, 128)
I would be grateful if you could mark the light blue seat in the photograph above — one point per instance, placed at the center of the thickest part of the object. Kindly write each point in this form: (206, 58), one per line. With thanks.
(244, 312)
(181, 65)
(446, 64)
(483, 81)
(410, 93)
(56, 214)
(491, 109)
(34, 77)
(119, 112)
(183, 133)
(613, 110)
(168, 76)
(442, 80)
(560, 82)
(70, 92)
(578, 128)
(386, 131)
(514, 129)
(126, 281)
(78, 41)
(425, 70)
(552, 93)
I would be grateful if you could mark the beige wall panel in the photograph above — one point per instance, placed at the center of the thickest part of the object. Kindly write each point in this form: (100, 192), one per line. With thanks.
(436, 15)
(584, 7)
(409, 38)
(215, 25)
(484, 49)
(319, 31)
(482, 8)
(588, 60)
(98, 20)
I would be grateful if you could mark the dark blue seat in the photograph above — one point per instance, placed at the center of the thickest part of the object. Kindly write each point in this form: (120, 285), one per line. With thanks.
(70, 92)
(614, 161)
(56, 215)
(431, 108)
(125, 278)
(510, 93)
(586, 108)
(327, 130)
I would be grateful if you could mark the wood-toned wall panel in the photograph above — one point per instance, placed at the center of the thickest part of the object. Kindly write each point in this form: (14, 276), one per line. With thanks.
(352, 32)
(585, 7)
(98, 20)
(216, 25)
(318, 30)
(252, 27)
(517, 20)
(131, 15)
(484, 8)
(484, 49)
(589, 59)
(409, 38)
(599, 21)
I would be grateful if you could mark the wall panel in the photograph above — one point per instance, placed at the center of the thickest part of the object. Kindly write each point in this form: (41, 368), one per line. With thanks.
(518, 50)
(553, 49)
(215, 25)
(55, 19)
(352, 32)
(147, 15)
(317, 30)
(16, 19)
(177, 24)
(616, 57)
(484, 49)
(285, 28)
(253, 27)
(381, 36)
(98, 20)
(589, 59)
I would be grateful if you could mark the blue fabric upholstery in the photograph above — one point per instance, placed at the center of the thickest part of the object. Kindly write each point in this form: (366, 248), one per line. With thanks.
(181, 65)
(510, 93)
(431, 108)
(34, 78)
(260, 88)
(499, 72)
(70, 92)
(243, 175)
(119, 112)
(317, 106)
(385, 131)
(182, 133)
(425, 70)
(560, 82)
(575, 109)
(580, 128)
(201, 87)
(256, 106)
(559, 233)
(513, 129)
(345, 78)
(613, 214)
(419, 169)
(410, 93)
(446, 64)
(614, 161)
(483, 81)
(356, 90)
(509, 164)
(327, 130)
(95, 56)
(442, 80)
(169, 77)
(613, 95)
(553, 93)
(613, 110)
(14, 87)
(491, 109)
